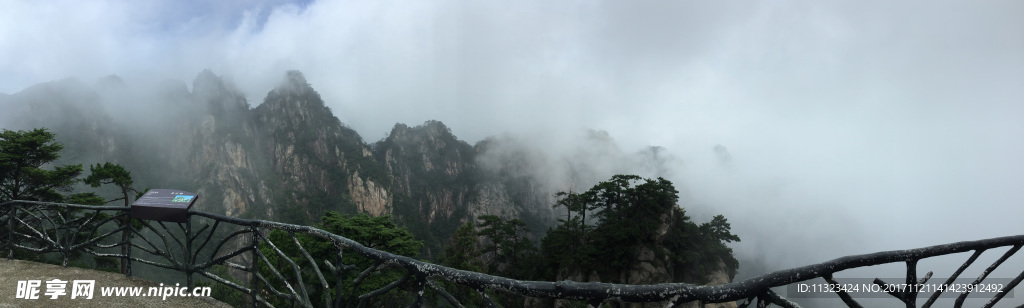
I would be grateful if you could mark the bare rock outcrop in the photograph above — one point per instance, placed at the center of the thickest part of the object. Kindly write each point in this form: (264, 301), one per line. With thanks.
(369, 197)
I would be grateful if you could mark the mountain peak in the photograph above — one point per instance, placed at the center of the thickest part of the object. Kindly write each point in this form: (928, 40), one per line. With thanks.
(294, 81)
(295, 101)
(295, 88)
(295, 77)
(430, 128)
(218, 94)
(209, 84)
(206, 77)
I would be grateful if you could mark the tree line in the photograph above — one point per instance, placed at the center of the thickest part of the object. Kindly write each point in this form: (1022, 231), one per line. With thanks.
(602, 231)
(24, 156)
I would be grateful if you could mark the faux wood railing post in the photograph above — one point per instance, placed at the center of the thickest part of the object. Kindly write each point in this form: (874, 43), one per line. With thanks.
(254, 267)
(338, 275)
(61, 232)
(126, 248)
(10, 232)
(189, 262)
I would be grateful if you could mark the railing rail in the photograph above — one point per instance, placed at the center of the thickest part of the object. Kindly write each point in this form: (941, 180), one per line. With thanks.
(274, 276)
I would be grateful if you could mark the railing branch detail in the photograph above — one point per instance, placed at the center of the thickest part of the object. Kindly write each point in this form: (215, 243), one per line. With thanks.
(236, 260)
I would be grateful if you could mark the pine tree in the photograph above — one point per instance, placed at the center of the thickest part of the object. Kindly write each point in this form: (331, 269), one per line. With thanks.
(115, 174)
(22, 157)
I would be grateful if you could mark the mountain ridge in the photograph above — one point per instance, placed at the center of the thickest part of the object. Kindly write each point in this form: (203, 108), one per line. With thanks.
(288, 159)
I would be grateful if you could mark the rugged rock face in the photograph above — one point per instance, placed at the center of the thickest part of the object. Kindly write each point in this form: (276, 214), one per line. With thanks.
(289, 159)
(493, 199)
(309, 152)
(368, 196)
(218, 148)
(430, 165)
(718, 278)
(423, 175)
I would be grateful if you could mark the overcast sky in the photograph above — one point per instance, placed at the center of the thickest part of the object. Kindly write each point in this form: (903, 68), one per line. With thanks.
(877, 125)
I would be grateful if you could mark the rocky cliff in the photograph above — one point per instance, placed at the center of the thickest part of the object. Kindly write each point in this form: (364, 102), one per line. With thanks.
(314, 158)
(288, 159)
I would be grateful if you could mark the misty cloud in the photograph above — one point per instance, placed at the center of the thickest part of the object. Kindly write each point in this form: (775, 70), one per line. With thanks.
(843, 122)
(577, 163)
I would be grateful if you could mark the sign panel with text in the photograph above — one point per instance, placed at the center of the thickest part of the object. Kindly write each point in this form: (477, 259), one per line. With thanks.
(164, 205)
